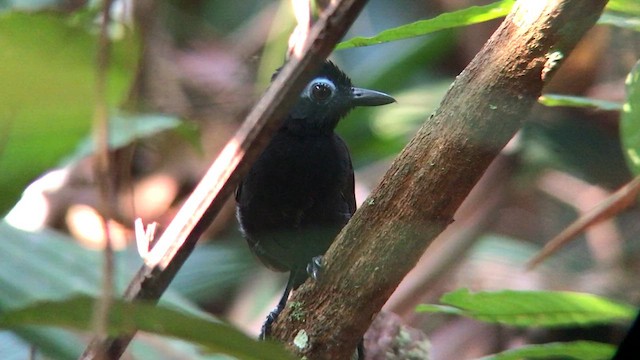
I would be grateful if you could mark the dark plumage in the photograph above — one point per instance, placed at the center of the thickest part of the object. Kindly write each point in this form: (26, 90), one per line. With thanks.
(300, 191)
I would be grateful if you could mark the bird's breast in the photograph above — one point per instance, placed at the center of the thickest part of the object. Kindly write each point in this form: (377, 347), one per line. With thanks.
(298, 180)
(311, 167)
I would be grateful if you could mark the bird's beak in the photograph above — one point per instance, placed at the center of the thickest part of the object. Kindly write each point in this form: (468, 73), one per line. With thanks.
(366, 97)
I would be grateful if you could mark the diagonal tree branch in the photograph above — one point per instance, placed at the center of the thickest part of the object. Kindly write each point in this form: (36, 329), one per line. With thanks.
(180, 237)
(420, 193)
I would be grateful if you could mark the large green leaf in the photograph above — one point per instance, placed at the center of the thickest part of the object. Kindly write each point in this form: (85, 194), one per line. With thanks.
(630, 120)
(578, 350)
(469, 16)
(532, 308)
(47, 92)
(76, 313)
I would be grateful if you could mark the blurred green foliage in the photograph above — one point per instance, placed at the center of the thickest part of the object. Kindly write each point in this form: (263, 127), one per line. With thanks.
(48, 67)
(46, 265)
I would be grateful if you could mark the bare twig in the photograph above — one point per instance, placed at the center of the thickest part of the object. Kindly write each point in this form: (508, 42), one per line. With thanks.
(420, 193)
(612, 206)
(102, 171)
(181, 235)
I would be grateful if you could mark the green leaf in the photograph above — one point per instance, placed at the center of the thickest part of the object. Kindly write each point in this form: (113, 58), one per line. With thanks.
(578, 350)
(537, 308)
(630, 120)
(47, 92)
(578, 101)
(76, 313)
(469, 16)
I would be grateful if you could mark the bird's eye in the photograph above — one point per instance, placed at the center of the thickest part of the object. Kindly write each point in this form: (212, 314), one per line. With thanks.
(321, 89)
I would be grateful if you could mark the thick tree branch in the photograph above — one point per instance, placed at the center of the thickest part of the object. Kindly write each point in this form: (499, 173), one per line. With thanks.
(180, 237)
(420, 193)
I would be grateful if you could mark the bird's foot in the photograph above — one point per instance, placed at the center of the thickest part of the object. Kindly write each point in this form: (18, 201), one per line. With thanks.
(314, 268)
(360, 350)
(265, 332)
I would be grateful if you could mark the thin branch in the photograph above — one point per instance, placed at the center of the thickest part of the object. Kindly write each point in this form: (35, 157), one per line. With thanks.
(426, 184)
(613, 205)
(181, 235)
(103, 174)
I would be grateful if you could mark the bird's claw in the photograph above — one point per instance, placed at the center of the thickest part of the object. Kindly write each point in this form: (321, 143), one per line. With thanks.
(359, 354)
(265, 332)
(314, 268)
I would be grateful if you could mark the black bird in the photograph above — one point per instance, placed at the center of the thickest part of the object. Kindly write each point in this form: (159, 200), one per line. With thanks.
(300, 192)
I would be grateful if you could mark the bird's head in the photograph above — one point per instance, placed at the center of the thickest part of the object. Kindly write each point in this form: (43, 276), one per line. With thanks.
(327, 98)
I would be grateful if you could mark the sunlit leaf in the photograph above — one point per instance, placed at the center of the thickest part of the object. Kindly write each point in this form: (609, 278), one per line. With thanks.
(534, 308)
(460, 18)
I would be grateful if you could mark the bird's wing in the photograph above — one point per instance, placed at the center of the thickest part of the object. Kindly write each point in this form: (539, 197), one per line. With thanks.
(238, 192)
(348, 190)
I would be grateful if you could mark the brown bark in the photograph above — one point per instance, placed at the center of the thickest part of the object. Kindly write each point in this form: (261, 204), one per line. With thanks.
(419, 194)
